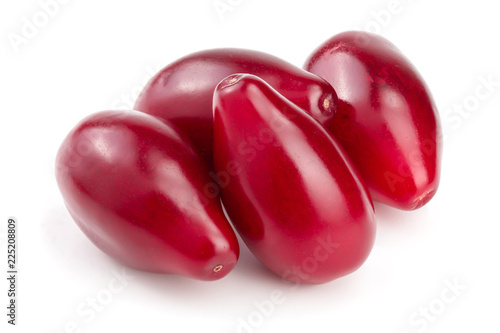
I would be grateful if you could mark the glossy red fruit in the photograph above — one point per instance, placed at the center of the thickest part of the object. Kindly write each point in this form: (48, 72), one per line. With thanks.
(291, 193)
(386, 121)
(182, 92)
(135, 188)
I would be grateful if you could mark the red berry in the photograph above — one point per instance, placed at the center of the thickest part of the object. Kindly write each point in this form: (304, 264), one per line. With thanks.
(182, 92)
(386, 121)
(288, 188)
(136, 190)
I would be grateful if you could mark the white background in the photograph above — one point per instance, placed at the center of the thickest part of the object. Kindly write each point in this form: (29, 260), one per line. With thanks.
(95, 55)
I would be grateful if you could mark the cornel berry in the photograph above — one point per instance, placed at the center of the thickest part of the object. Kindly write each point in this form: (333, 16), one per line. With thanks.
(386, 121)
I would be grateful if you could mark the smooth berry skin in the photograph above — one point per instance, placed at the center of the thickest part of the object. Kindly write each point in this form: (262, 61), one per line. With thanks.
(386, 121)
(290, 191)
(182, 92)
(136, 190)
